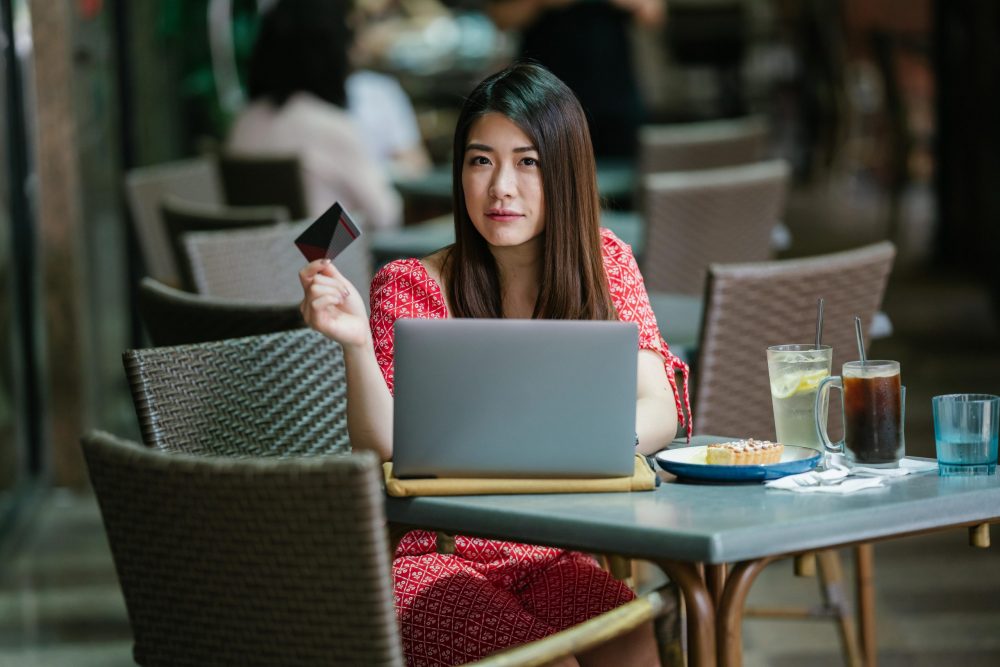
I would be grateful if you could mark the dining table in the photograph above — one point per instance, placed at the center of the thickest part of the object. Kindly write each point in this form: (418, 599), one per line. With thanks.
(713, 539)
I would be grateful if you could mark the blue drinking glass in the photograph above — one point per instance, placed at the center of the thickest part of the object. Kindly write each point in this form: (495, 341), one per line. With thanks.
(965, 433)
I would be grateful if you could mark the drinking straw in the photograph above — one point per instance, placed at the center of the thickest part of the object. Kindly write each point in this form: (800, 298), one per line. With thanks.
(861, 338)
(819, 322)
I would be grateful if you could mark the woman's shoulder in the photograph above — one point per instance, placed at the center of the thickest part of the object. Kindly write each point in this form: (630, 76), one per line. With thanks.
(405, 275)
(406, 288)
(613, 249)
(308, 112)
(399, 270)
(254, 120)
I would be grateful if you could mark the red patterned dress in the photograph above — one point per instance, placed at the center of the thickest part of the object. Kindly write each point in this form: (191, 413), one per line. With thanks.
(490, 595)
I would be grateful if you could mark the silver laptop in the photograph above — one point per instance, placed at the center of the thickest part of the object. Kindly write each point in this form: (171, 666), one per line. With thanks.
(514, 398)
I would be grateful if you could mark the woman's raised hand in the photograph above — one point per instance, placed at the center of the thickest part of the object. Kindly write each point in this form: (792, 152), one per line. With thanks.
(332, 306)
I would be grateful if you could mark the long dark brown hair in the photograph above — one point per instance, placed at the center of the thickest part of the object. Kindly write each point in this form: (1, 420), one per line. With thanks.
(573, 283)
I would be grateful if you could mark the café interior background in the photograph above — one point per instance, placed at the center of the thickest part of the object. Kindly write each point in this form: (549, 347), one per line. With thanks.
(885, 108)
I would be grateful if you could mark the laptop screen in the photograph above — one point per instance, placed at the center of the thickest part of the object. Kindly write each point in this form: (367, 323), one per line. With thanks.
(514, 398)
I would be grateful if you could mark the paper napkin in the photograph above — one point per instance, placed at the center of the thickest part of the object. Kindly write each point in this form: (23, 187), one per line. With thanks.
(839, 479)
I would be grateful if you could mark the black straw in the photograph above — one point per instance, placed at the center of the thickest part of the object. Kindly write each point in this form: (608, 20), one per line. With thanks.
(861, 339)
(819, 322)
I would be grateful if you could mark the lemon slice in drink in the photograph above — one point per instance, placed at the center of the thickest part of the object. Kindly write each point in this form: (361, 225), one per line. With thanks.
(796, 383)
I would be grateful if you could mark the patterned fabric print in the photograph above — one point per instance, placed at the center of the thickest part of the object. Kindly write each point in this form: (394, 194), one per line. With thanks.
(491, 595)
(454, 609)
(628, 291)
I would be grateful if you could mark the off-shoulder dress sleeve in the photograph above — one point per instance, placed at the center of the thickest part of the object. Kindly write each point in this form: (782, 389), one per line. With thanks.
(401, 289)
(628, 292)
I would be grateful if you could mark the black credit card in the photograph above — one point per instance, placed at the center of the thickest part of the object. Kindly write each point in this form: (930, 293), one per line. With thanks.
(329, 235)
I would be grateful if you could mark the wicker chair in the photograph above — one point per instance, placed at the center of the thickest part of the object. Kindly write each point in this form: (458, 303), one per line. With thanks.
(175, 317)
(194, 180)
(258, 264)
(262, 263)
(182, 217)
(264, 180)
(696, 218)
(281, 394)
(752, 306)
(703, 145)
(228, 561)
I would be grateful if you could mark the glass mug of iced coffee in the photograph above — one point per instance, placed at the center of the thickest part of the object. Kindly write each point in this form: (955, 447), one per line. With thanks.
(874, 411)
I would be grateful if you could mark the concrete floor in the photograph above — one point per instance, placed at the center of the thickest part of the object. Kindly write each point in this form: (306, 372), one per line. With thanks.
(938, 600)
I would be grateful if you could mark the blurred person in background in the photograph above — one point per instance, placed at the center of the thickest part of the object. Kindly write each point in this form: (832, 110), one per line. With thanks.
(298, 104)
(383, 112)
(385, 116)
(586, 43)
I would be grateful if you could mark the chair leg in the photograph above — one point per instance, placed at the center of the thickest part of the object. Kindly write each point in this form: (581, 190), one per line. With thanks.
(805, 565)
(864, 568)
(669, 628)
(669, 625)
(619, 567)
(858, 640)
(832, 588)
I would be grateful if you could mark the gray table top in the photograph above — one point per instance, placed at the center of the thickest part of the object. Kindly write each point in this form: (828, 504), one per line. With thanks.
(710, 523)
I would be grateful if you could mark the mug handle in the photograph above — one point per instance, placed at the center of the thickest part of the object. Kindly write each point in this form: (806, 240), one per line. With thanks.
(822, 398)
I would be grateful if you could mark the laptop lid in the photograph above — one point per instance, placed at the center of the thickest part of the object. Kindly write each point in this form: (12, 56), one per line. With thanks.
(514, 398)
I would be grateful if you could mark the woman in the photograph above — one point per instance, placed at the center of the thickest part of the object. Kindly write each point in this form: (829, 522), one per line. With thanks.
(527, 245)
(296, 84)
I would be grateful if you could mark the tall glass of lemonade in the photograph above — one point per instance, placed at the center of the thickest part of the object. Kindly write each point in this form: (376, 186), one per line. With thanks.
(795, 372)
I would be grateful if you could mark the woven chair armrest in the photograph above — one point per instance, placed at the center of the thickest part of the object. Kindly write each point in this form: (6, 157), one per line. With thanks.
(581, 637)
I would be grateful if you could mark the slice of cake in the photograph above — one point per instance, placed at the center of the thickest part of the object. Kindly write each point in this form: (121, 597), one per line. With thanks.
(744, 452)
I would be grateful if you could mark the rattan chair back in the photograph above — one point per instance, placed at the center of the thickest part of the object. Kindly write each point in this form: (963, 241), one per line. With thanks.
(262, 263)
(703, 145)
(279, 394)
(176, 317)
(181, 217)
(695, 218)
(752, 306)
(258, 264)
(248, 562)
(264, 180)
(195, 180)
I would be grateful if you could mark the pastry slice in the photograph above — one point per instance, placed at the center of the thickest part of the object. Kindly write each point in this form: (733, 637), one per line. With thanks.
(744, 452)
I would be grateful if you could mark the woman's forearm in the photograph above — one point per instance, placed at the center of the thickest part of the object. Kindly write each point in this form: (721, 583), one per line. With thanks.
(369, 403)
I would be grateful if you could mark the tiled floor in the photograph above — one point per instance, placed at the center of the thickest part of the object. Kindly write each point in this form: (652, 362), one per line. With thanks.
(937, 603)
(60, 605)
(938, 600)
